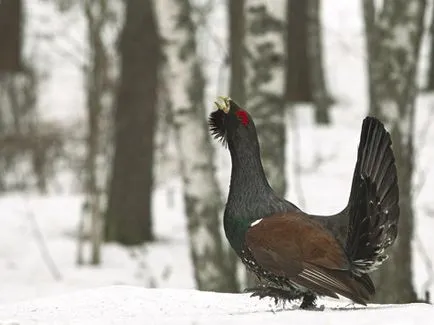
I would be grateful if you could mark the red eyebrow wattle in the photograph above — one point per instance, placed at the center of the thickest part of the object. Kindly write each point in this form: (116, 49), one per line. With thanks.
(242, 115)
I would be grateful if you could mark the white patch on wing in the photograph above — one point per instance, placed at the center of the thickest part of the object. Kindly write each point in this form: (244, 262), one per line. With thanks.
(254, 223)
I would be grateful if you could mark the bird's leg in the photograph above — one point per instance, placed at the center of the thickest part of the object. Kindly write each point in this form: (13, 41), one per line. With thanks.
(275, 293)
(308, 302)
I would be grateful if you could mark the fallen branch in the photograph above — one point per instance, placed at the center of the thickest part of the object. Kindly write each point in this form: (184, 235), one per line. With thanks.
(428, 265)
(43, 248)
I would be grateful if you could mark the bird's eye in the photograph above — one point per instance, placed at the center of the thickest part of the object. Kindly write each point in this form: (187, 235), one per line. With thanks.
(243, 117)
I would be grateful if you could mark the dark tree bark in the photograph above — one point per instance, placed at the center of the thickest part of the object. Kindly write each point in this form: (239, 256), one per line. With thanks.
(320, 95)
(10, 35)
(305, 81)
(371, 34)
(236, 51)
(237, 90)
(298, 86)
(394, 82)
(128, 217)
(430, 77)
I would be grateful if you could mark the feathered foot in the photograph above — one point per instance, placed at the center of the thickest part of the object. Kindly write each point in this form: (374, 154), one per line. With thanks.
(308, 301)
(275, 293)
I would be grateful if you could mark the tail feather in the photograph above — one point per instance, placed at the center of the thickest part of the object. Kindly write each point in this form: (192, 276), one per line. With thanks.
(366, 282)
(373, 205)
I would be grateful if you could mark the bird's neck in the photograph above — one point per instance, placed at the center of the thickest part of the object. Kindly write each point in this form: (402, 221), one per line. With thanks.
(248, 180)
(249, 194)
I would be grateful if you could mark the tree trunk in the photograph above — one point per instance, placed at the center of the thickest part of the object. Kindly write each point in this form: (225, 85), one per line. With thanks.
(298, 85)
(96, 83)
(237, 87)
(212, 268)
(10, 35)
(265, 79)
(321, 99)
(128, 217)
(371, 34)
(236, 50)
(430, 76)
(399, 30)
(265, 87)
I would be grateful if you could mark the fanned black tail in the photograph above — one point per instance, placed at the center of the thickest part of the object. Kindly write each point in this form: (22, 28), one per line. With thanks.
(373, 205)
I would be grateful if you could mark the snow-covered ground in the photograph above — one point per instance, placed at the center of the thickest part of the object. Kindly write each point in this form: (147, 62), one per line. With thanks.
(133, 305)
(327, 158)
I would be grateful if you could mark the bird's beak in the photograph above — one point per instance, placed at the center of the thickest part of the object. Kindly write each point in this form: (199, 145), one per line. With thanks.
(223, 103)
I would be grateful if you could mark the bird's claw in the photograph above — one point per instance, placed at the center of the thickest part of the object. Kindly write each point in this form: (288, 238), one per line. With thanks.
(262, 295)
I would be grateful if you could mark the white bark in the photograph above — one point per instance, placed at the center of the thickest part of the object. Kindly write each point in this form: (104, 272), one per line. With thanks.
(265, 82)
(265, 86)
(202, 196)
(395, 44)
(264, 42)
(97, 90)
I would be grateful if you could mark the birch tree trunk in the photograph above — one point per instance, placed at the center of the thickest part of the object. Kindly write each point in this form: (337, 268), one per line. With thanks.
(212, 269)
(265, 83)
(320, 96)
(399, 27)
(96, 13)
(265, 87)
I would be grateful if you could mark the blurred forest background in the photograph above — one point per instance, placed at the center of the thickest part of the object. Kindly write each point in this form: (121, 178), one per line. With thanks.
(148, 72)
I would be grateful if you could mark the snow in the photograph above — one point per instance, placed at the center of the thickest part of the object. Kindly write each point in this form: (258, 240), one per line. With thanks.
(24, 273)
(132, 305)
(117, 291)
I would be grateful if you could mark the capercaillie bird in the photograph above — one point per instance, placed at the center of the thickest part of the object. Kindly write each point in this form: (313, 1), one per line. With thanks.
(295, 254)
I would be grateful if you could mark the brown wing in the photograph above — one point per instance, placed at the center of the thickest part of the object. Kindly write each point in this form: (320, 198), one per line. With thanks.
(298, 248)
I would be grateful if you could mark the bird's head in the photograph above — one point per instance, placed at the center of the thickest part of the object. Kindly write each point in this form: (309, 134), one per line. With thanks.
(230, 123)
